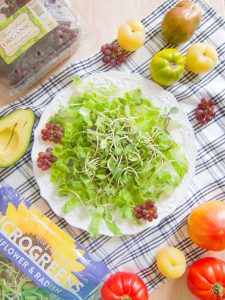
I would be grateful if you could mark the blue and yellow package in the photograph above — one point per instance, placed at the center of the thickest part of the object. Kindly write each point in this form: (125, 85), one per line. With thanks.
(51, 258)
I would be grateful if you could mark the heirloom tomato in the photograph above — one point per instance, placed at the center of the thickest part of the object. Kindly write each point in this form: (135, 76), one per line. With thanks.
(131, 35)
(167, 66)
(181, 21)
(206, 225)
(206, 279)
(124, 286)
(201, 58)
(171, 262)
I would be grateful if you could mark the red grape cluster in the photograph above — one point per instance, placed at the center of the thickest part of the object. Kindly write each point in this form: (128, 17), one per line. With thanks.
(205, 111)
(52, 133)
(147, 212)
(46, 159)
(113, 54)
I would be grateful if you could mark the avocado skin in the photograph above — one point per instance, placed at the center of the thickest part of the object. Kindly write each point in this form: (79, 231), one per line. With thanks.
(15, 135)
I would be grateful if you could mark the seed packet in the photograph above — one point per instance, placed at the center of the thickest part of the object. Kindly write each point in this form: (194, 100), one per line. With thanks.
(35, 36)
(55, 263)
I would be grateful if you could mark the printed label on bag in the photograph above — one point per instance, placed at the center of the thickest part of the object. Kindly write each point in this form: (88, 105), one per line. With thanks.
(23, 29)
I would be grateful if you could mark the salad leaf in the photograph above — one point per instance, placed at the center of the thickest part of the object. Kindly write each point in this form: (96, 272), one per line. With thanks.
(96, 221)
(112, 225)
(116, 153)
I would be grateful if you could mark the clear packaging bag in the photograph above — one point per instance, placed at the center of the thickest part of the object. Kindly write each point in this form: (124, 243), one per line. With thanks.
(51, 261)
(35, 36)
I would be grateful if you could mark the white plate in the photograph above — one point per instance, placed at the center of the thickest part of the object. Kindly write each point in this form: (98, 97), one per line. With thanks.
(183, 135)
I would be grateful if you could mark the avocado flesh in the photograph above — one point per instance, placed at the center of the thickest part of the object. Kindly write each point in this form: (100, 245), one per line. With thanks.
(15, 134)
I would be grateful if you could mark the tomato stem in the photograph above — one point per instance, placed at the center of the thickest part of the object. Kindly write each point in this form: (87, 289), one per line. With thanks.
(218, 289)
(126, 297)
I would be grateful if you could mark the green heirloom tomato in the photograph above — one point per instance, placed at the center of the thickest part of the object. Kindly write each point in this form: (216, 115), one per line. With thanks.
(167, 66)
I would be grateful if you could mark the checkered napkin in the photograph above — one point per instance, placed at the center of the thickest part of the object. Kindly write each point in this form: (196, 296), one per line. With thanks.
(137, 253)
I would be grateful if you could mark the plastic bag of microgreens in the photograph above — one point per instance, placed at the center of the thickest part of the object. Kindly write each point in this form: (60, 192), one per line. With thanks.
(38, 259)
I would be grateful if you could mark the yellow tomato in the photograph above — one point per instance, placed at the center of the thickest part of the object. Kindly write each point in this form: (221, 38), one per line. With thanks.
(131, 35)
(201, 58)
(171, 262)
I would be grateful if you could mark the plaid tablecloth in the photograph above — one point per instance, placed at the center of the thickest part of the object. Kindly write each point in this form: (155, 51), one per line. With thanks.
(137, 253)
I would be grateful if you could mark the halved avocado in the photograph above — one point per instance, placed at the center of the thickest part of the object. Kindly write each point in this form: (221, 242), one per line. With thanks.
(15, 134)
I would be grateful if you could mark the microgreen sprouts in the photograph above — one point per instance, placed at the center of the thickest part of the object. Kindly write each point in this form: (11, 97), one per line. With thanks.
(17, 286)
(116, 153)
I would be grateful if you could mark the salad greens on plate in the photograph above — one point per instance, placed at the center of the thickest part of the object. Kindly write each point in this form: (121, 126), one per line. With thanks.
(116, 152)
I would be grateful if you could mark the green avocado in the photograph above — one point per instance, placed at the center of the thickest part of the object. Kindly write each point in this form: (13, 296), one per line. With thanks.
(15, 134)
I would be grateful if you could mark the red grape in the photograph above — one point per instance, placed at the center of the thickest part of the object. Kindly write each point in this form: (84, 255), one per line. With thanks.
(106, 59)
(205, 111)
(104, 47)
(149, 204)
(46, 159)
(52, 133)
(147, 212)
(112, 62)
(107, 52)
(113, 54)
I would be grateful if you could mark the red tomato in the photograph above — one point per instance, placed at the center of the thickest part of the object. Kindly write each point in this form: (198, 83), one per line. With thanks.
(206, 278)
(206, 225)
(124, 286)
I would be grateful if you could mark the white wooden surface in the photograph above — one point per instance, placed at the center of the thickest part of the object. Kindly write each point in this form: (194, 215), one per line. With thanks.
(103, 18)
